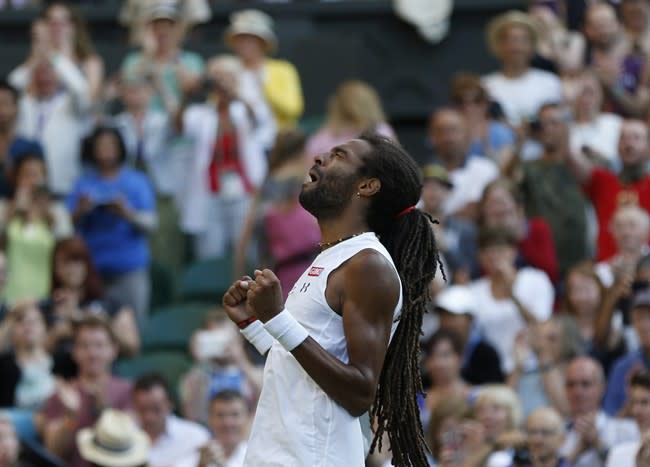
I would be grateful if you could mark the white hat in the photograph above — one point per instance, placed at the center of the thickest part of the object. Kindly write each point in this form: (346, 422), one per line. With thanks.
(253, 22)
(115, 441)
(457, 300)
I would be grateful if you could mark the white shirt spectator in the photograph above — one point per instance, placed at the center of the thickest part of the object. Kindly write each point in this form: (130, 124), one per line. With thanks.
(58, 123)
(521, 97)
(612, 432)
(601, 135)
(235, 460)
(181, 440)
(500, 321)
(623, 455)
(469, 182)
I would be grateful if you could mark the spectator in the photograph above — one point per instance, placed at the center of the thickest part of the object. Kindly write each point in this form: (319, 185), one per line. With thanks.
(502, 206)
(113, 208)
(55, 103)
(452, 435)
(518, 88)
(559, 50)
(592, 432)
(78, 404)
(545, 433)
(355, 107)
(542, 352)
(33, 221)
(498, 410)
(10, 449)
(442, 364)
(469, 175)
(172, 71)
(147, 136)
(12, 145)
(26, 370)
(632, 362)
(489, 137)
(585, 302)
(63, 34)
(114, 441)
(456, 309)
(608, 190)
(638, 401)
(221, 363)
(227, 165)
(551, 191)
(455, 236)
(229, 419)
(619, 67)
(76, 292)
(172, 438)
(510, 299)
(594, 133)
(250, 35)
(276, 214)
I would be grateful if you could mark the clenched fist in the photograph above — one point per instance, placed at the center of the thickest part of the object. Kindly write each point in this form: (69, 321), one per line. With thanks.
(265, 295)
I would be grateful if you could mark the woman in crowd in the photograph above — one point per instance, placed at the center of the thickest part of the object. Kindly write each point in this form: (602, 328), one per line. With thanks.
(489, 137)
(354, 108)
(251, 37)
(63, 33)
(502, 206)
(113, 208)
(584, 299)
(221, 364)
(77, 290)
(33, 221)
(442, 365)
(542, 353)
(26, 370)
(276, 215)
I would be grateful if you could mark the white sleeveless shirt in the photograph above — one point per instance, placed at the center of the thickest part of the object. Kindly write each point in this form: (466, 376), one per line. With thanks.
(296, 423)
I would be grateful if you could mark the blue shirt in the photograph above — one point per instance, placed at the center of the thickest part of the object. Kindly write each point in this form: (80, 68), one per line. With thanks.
(615, 394)
(116, 245)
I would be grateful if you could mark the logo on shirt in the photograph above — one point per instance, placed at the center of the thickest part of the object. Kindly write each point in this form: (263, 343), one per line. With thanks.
(315, 271)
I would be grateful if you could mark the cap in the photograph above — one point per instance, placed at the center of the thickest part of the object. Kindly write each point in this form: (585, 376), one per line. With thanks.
(641, 299)
(437, 172)
(457, 300)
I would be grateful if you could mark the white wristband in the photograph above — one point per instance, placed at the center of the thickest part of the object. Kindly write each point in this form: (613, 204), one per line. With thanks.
(256, 334)
(288, 332)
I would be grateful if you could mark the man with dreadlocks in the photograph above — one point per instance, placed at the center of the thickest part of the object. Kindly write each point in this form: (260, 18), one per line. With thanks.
(345, 344)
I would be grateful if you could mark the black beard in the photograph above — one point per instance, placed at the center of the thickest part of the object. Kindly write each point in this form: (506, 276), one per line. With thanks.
(329, 198)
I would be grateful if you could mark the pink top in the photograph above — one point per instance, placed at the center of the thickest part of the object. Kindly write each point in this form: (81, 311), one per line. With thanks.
(323, 140)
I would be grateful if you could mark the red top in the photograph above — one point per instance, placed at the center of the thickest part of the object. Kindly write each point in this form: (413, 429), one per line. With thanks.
(606, 192)
(538, 248)
(225, 157)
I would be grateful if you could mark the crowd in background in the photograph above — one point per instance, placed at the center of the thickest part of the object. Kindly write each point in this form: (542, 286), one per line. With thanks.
(535, 350)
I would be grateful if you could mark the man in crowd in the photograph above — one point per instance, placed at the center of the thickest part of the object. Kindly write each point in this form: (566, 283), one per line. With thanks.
(635, 361)
(545, 433)
(608, 190)
(468, 175)
(591, 431)
(77, 405)
(638, 401)
(551, 191)
(172, 438)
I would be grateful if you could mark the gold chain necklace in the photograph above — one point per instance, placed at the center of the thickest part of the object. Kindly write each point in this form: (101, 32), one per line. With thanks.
(324, 245)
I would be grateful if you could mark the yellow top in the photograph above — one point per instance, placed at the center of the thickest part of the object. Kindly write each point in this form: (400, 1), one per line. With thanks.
(283, 92)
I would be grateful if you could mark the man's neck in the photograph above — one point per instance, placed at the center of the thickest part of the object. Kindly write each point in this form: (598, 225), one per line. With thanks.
(349, 224)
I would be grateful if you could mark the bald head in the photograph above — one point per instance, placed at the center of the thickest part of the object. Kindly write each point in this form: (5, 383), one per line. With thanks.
(585, 385)
(448, 135)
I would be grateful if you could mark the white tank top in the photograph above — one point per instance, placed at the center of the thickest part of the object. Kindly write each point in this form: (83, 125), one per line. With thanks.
(296, 424)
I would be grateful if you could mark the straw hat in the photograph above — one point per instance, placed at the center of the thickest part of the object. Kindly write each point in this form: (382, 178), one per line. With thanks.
(253, 22)
(510, 18)
(115, 441)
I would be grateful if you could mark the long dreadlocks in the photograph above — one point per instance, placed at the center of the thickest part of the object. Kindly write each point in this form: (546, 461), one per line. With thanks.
(410, 241)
